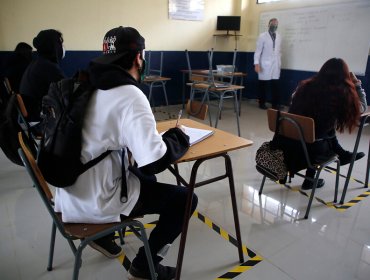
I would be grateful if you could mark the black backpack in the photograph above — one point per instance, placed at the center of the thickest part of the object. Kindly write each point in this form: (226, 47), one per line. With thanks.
(9, 128)
(64, 109)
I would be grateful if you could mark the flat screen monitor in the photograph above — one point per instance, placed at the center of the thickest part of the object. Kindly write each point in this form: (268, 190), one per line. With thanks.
(228, 23)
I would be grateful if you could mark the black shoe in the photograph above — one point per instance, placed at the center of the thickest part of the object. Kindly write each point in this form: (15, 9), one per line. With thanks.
(308, 185)
(162, 272)
(262, 106)
(107, 246)
(346, 157)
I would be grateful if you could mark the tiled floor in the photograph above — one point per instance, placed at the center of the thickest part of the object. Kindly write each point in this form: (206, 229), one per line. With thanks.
(330, 245)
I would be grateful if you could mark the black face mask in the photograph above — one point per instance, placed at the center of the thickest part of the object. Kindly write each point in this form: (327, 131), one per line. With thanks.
(142, 72)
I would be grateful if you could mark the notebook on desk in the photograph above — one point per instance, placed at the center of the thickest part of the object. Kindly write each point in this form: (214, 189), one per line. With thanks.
(196, 135)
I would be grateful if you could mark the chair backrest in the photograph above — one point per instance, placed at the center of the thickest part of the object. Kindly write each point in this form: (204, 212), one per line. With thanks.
(37, 179)
(7, 85)
(197, 109)
(158, 68)
(22, 107)
(24, 124)
(292, 126)
(223, 78)
(196, 78)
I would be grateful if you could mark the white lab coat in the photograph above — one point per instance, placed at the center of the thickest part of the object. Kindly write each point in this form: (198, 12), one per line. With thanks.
(268, 58)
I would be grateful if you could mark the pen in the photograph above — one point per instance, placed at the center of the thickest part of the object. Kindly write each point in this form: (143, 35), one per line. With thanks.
(178, 117)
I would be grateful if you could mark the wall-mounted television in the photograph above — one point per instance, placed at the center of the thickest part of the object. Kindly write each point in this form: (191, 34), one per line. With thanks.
(228, 23)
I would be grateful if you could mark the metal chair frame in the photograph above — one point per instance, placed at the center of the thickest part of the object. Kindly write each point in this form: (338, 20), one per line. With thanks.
(364, 121)
(156, 72)
(77, 231)
(302, 129)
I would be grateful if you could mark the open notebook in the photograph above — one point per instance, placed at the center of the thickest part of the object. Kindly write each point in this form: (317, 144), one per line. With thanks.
(196, 134)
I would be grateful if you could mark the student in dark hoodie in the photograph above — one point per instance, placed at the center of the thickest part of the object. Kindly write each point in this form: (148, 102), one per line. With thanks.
(42, 71)
(119, 117)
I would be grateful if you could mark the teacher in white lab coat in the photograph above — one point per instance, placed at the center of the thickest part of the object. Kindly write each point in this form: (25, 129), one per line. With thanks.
(267, 63)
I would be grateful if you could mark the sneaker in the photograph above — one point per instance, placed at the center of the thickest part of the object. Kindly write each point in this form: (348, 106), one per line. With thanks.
(308, 185)
(346, 157)
(107, 246)
(162, 272)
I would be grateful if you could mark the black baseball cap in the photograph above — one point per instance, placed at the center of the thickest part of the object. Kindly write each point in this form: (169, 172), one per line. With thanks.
(118, 42)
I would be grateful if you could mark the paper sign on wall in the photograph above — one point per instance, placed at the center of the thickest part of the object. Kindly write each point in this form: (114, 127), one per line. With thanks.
(186, 9)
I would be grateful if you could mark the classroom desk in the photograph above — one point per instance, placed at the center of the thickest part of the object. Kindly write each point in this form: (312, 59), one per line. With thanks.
(204, 72)
(152, 80)
(215, 146)
(364, 121)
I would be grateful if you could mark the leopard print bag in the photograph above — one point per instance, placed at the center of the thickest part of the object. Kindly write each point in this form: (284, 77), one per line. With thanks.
(270, 162)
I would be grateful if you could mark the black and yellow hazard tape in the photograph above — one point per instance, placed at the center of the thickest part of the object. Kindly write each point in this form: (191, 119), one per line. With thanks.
(333, 171)
(124, 260)
(237, 270)
(223, 233)
(234, 272)
(331, 204)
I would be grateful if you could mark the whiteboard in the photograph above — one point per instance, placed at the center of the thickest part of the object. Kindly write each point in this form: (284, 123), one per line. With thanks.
(313, 35)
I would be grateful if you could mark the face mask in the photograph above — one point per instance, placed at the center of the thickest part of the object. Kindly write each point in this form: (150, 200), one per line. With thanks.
(142, 72)
(273, 28)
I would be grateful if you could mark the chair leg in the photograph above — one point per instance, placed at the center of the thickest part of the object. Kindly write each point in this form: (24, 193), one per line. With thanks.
(148, 254)
(51, 250)
(122, 234)
(165, 92)
(262, 184)
(357, 142)
(209, 109)
(229, 171)
(367, 169)
(220, 104)
(337, 181)
(312, 193)
(78, 260)
(236, 105)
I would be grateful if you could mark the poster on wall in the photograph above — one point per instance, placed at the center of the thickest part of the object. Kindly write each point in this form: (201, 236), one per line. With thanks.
(186, 9)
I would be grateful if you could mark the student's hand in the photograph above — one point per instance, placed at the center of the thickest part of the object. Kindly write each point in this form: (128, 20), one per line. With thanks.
(257, 68)
(181, 127)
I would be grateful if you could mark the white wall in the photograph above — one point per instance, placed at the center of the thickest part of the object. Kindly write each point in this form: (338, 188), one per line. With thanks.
(84, 22)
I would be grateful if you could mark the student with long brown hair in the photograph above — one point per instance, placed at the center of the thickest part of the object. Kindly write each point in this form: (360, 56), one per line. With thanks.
(335, 99)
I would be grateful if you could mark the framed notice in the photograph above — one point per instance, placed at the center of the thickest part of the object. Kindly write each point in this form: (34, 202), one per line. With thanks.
(186, 9)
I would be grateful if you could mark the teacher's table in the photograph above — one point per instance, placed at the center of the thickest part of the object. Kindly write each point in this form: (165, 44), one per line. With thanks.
(217, 145)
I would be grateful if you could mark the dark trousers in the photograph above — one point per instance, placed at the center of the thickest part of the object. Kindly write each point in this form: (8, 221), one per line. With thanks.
(169, 202)
(264, 87)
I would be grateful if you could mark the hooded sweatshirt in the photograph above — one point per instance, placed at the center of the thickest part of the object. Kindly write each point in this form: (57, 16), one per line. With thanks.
(108, 76)
(42, 71)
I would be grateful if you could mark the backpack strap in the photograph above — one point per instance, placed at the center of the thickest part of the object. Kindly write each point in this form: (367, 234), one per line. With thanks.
(123, 180)
(94, 161)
